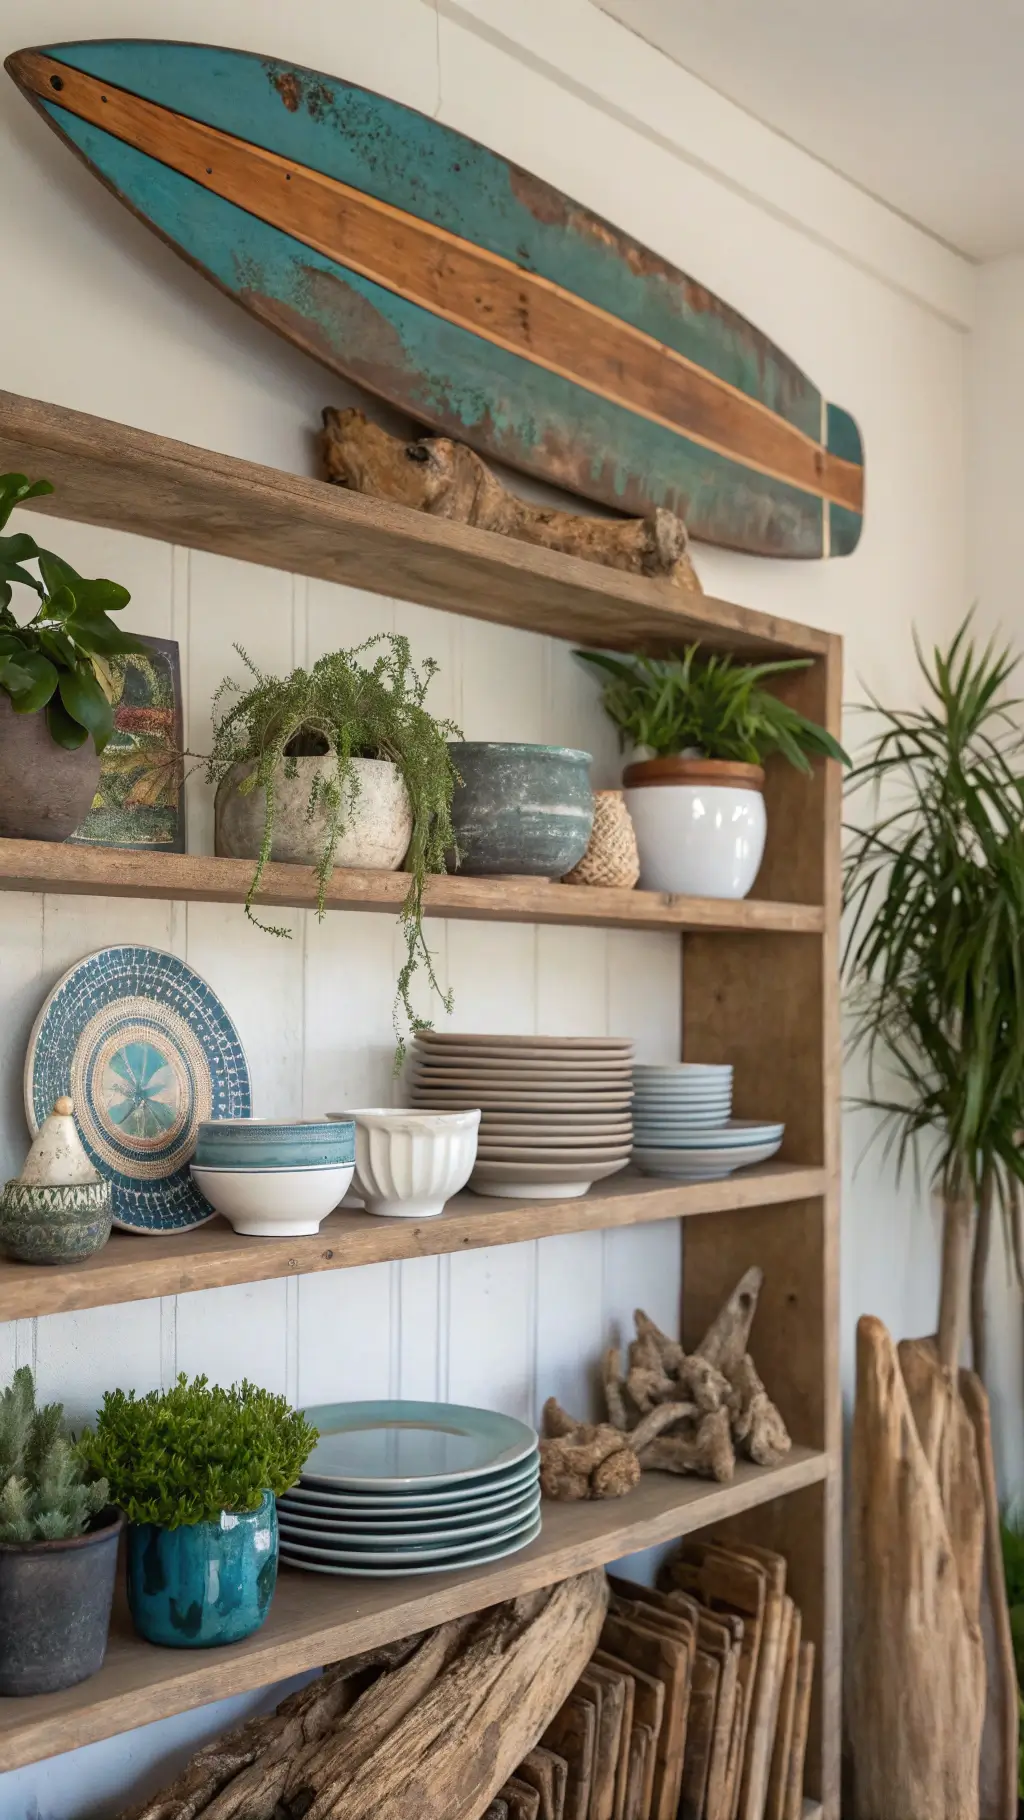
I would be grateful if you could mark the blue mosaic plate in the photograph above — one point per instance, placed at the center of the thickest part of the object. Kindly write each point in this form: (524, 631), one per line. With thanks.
(147, 1051)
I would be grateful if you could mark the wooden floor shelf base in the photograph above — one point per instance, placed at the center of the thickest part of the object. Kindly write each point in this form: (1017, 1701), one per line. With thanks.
(315, 1619)
(27, 865)
(133, 1267)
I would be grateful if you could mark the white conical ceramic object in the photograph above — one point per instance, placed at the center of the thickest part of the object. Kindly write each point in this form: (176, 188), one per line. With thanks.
(58, 1158)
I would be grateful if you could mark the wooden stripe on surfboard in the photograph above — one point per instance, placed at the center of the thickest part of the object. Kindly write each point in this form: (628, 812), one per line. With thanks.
(482, 292)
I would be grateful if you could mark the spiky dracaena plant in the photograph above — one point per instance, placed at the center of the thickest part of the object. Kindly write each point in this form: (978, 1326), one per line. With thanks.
(45, 1495)
(355, 710)
(934, 956)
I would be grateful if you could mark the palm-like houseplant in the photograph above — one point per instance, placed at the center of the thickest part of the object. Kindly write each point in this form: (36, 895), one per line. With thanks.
(934, 956)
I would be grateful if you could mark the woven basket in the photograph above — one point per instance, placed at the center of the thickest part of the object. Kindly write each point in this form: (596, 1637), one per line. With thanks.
(611, 857)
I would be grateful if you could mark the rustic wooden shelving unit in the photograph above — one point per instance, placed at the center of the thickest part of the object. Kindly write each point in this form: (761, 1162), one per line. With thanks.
(761, 991)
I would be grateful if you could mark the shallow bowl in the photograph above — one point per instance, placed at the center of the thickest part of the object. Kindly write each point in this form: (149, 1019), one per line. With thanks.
(274, 1203)
(408, 1164)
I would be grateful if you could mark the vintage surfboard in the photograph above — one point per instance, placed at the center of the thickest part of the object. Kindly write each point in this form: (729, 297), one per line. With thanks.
(474, 297)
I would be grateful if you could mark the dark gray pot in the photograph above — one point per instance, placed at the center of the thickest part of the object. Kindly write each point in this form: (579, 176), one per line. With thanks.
(44, 791)
(55, 1600)
(521, 809)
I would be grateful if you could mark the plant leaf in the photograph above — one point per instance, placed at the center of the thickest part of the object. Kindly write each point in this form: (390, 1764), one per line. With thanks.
(86, 703)
(64, 730)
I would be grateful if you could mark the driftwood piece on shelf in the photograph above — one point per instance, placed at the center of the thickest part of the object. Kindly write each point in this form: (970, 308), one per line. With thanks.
(449, 480)
(916, 1681)
(584, 1459)
(437, 1733)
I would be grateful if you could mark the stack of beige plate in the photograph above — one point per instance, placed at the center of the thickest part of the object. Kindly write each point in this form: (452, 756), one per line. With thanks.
(554, 1110)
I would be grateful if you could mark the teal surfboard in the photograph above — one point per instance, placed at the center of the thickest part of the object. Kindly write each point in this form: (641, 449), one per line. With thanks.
(477, 299)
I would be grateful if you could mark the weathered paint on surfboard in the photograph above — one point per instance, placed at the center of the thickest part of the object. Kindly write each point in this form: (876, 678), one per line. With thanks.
(514, 317)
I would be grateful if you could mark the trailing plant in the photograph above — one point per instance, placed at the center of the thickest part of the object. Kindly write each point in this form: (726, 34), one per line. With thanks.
(934, 955)
(710, 705)
(354, 710)
(184, 1455)
(54, 661)
(45, 1494)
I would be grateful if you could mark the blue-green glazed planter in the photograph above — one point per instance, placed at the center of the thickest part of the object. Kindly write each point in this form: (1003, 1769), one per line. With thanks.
(521, 810)
(204, 1583)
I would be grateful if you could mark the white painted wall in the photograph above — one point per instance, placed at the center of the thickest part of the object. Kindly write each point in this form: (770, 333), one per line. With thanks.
(97, 314)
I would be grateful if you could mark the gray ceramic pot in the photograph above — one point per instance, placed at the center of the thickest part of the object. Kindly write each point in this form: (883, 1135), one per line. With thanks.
(55, 1600)
(521, 809)
(44, 791)
(57, 1223)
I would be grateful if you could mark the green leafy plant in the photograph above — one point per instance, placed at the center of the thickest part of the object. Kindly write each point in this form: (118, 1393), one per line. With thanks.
(1011, 1531)
(355, 710)
(934, 955)
(709, 705)
(184, 1455)
(44, 1492)
(49, 663)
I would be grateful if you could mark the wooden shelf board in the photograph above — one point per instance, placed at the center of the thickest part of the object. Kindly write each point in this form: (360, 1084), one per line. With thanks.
(109, 474)
(133, 1267)
(315, 1619)
(27, 865)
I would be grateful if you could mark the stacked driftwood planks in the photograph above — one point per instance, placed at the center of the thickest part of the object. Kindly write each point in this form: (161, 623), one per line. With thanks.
(694, 1706)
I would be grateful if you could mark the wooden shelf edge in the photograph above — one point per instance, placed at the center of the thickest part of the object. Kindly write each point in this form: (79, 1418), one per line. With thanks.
(65, 867)
(134, 1267)
(131, 480)
(315, 1619)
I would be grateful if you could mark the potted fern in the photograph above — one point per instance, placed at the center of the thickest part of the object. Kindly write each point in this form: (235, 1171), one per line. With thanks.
(195, 1470)
(52, 703)
(339, 765)
(58, 1550)
(701, 726)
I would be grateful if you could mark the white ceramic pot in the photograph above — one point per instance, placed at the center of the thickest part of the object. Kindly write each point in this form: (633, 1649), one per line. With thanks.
(274, 1203)
(408, 1164)
(376, 829)
(700, 825)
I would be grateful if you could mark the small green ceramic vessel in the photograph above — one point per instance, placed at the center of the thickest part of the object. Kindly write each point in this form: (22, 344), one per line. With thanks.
(521, 810)
(55, 1225)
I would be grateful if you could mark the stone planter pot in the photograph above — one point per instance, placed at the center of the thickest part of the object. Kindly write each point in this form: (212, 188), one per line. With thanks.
(56, 1223)
(203, 1584)
(55, 1600)
(44, 791)
(521, 810)
(377, 830)
(700, 824)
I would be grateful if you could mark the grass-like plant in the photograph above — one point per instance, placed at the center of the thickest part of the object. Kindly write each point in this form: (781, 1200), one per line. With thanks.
(52, 662)
(708, 705)
(355, 710)
(46, 1493)
(184, 1455)
(934, 955)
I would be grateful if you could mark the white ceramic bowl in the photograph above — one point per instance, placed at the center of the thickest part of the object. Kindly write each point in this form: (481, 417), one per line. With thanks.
(274, 1203)
(408, 1164)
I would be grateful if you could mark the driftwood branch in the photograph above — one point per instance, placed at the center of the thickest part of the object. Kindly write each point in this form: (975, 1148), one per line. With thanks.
(448, 480)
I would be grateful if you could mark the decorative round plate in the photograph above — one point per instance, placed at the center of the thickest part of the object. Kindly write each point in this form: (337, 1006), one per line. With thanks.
(317, 1561)
(146, 1050)
(406, 1446)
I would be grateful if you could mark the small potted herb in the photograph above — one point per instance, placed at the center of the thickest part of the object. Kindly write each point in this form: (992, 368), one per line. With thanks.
(340, 765)
(58, 1550)
(52, 700)
(196, 1470)
(701, 726)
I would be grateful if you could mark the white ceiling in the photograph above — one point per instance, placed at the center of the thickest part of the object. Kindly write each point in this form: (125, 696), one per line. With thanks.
(919, 101)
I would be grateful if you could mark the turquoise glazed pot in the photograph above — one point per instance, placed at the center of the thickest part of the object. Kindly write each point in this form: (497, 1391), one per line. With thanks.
(521, 810)
(203, 1583)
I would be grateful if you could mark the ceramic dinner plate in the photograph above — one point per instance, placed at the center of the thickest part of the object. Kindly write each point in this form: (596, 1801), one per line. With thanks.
(701, 1165)
(434, 1553)
(450, 1039)
(395, 1446)
(582, 1058)
(738, 1134)
(147, 1051)
(540, 1181)
(550, 1064)
(520, 1082)
(532, 1153)
(325, 1533)
(447, 1098)
(490, 1492)
(473, 1557)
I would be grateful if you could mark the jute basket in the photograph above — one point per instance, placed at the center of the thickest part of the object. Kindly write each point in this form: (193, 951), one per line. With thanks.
(611, 857)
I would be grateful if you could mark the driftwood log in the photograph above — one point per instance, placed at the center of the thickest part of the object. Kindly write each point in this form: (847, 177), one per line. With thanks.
(449, 480)
(434, 1726)
(671, 1412)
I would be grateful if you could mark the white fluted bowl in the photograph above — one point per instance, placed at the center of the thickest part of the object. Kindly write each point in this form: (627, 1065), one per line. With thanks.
(408, 1164)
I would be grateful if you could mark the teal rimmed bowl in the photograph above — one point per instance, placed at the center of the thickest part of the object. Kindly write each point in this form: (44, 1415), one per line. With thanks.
(275, 1143)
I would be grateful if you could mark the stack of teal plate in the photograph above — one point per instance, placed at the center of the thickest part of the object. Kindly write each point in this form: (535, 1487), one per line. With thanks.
(411, 1488)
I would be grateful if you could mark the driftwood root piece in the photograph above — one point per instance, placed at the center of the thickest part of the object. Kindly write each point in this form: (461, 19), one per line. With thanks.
(708, 1453)
(584, 1459)
(727, 1338)
(756, 1423)
(448, 480)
